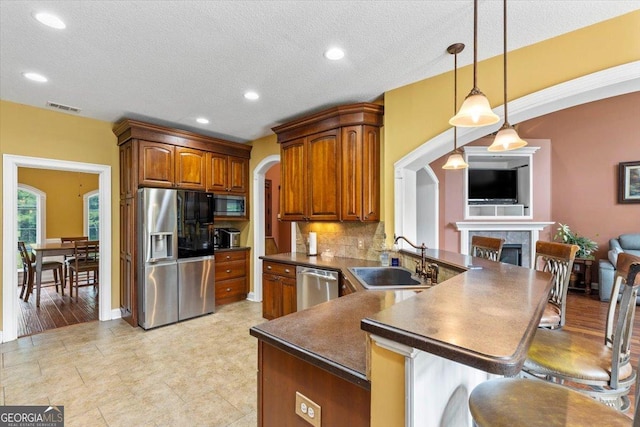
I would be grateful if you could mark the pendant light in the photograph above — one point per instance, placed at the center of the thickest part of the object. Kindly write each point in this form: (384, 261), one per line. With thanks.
(455, 160)
(507, 137)
(475, 110)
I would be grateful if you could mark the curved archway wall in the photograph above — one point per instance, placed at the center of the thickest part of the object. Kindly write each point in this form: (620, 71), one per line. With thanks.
(416, 127)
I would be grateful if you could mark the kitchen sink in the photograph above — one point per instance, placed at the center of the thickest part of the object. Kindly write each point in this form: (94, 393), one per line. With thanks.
(386, 278)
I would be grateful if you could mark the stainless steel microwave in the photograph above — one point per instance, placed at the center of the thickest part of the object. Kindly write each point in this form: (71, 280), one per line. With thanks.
(227, 205)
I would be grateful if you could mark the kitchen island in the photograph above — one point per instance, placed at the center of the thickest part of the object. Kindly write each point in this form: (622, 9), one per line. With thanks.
(475, 324)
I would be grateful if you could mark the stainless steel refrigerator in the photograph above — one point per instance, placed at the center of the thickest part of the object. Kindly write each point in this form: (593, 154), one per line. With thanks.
(175, 272)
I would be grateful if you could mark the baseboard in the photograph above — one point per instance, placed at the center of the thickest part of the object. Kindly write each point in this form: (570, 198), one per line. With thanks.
(116, 314)
(252, 297)
(1, 337)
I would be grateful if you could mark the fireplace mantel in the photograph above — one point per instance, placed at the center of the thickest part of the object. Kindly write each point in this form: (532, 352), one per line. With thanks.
(533, 228)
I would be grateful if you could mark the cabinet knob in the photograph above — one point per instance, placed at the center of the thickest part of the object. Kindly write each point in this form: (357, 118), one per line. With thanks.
(228, 257)
(228, 271)
(268, 267)
(286, 270)
(228, 289)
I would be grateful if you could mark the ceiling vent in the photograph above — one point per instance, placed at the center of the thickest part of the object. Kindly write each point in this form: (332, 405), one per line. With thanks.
(63, 107)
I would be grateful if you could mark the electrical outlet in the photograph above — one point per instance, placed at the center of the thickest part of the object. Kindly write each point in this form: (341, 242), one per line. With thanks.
(360, 244)
(308, 410)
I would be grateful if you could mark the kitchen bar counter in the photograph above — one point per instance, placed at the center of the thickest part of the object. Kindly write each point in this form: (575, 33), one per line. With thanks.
(484, 318)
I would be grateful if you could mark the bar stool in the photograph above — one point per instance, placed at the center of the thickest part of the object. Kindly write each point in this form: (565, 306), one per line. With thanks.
(531, 402)
(486, 247)
(601, 370)
(557, 259)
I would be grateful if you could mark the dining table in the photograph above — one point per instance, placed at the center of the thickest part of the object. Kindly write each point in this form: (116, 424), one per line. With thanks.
(48, 250)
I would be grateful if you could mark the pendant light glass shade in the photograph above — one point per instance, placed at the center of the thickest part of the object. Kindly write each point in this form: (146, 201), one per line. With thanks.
(455, 161)
(475, 112)
(507, 139)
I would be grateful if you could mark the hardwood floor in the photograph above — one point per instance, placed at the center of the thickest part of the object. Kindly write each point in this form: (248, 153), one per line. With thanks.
(56, 310)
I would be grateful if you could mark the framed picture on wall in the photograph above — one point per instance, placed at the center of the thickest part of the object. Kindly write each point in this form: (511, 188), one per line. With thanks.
(629, 182)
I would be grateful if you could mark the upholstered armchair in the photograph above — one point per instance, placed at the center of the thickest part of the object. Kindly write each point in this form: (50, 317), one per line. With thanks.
(627, 243)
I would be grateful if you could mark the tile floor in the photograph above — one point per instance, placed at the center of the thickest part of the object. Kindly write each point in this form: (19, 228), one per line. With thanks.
(201, 372)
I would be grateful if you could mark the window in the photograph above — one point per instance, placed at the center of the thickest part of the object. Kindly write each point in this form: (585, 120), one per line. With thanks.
(31, 210)
(92, 215)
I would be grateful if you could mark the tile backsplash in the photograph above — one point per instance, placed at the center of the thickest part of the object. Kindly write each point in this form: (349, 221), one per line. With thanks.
(342, 238)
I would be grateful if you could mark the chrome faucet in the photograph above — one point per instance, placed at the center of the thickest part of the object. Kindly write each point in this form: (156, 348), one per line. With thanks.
(428, 273)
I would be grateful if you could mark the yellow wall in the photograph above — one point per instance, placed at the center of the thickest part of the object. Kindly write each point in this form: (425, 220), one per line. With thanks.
(65, 201)
(416, 113)
(37, 132)
(387, 388)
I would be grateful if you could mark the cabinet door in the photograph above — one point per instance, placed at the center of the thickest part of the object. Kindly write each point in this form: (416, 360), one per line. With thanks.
(238, 174)
(271, 296)
(127, 171)
(323, 182)
(190, 168)
(156, 164)
(128, 301)
(352, 173)
(293, 181)
(371, 173)
(217, 172)
(289, 296)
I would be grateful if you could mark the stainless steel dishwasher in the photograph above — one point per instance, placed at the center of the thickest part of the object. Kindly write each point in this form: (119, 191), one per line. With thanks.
(315, 286)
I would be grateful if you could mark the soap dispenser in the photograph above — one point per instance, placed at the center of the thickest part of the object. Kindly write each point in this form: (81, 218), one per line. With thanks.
(384, 254)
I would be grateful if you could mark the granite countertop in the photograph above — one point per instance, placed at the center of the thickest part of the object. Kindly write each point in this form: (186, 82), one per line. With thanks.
(484, 318)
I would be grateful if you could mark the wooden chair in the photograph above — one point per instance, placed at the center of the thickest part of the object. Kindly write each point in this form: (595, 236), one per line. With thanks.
(86, 255)
(486, 247)
(530, 402)
(29, 270)
(600, 370)
(69, 258)
(557, 259)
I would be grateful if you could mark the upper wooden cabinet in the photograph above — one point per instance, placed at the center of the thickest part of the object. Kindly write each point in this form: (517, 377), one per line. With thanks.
(227, 174)
(190, 167)
(331, 165)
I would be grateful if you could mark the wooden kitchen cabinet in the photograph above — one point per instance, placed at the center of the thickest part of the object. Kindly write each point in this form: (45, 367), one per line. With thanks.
(232, 275)
(161, 157)
(331, 165)
(168, 166)
(279, 296)
(311, 191)
(361, 164)
(227, 174)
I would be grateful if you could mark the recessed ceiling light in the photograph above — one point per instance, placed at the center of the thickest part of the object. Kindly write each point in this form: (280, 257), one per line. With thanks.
(334, 54)
(202, 120)
(35, 77)
(50, 20)
(251, 95)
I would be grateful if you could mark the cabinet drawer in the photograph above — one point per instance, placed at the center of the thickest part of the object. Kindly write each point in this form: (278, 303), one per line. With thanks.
(224, 256)
(286, 270)
(230, 288)
(229, 270)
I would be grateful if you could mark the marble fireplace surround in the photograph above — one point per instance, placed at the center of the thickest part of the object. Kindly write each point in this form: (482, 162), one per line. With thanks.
(525, 233)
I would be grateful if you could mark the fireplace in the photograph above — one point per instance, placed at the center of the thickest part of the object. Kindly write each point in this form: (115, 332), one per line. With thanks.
(522, 233)
(511, 254)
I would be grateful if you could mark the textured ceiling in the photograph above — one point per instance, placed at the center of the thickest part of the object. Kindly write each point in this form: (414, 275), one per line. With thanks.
(170, 62)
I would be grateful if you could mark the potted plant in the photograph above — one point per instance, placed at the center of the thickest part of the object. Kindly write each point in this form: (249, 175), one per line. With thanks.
(586, 245)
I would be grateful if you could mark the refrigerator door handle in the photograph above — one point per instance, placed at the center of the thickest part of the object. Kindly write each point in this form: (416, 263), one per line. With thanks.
(195, 259)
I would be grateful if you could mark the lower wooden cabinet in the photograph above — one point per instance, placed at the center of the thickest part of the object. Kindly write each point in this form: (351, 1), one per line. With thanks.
(232, 278)
(279, 296)
(281, 375)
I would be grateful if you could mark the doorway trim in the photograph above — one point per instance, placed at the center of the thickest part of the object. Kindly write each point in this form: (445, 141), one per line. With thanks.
(11, 163)
(258, 222)
(607, 83)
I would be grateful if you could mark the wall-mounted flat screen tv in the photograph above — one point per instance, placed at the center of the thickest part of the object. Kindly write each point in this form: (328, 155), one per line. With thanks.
(493, 186)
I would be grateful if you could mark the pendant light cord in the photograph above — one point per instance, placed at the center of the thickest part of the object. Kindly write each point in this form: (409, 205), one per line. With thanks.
(475, 43)
(504, 34)
(455, 99)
